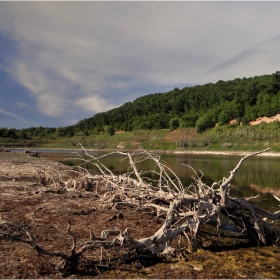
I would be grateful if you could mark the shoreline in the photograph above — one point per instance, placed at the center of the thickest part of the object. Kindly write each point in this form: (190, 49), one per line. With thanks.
(178, 152)
(46, 210)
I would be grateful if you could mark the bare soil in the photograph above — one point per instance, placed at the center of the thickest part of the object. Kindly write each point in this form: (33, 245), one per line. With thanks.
(25, 200)
(266, 120)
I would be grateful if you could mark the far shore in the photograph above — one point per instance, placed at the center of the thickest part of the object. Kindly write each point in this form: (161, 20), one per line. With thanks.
(179, 152)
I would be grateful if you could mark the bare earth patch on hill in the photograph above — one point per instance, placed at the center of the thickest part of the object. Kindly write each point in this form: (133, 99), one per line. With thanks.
(266, 120)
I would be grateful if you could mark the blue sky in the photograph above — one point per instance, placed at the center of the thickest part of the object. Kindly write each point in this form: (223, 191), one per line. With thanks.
(61, 62)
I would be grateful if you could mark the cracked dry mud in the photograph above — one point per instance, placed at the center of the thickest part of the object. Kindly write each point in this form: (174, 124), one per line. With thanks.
(25, 201)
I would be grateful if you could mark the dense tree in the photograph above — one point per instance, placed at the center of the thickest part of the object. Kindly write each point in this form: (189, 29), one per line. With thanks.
(205, 122)
(174, 123)
(4, 132)
(59, 132)
(110, 130)
(202, 105)
(23, 134)
(276, 81)
(228, 99)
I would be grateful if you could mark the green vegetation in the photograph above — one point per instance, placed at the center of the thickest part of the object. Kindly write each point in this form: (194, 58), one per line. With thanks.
(195, 111)
(200, 106)
(220, 138)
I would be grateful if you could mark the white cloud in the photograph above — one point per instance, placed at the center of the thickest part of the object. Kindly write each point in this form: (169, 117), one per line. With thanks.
(94, 104)
(74, 55)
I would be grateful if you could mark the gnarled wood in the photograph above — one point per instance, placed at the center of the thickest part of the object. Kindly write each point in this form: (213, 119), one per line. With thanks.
(184, 208)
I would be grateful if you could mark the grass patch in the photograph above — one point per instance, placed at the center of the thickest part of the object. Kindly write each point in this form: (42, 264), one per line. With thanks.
(220, 138)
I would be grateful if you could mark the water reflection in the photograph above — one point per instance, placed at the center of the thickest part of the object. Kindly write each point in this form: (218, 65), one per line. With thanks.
(256, 175)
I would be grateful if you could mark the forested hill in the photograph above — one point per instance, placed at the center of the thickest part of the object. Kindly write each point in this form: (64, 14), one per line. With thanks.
(202, 106)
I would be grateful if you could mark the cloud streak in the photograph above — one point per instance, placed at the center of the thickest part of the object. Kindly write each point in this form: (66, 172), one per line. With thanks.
(2, 111)
(233, 61)
(260, 48)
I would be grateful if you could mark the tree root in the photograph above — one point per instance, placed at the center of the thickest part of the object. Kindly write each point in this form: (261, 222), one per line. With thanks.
(184, 209)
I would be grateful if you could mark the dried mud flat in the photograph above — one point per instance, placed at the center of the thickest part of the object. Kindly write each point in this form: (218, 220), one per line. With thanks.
(25, 201)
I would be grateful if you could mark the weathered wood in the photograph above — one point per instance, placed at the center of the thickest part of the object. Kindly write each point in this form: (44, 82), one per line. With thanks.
(184, 208)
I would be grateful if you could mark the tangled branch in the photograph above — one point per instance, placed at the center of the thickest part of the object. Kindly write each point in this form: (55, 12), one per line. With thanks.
(184, 208)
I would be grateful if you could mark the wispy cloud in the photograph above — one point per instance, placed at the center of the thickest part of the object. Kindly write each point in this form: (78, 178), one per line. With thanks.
(13, 115)
(22, 105)
(75, 59)
(234, 60)
(258, 49)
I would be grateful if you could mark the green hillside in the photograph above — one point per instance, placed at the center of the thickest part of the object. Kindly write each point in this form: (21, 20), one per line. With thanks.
(148, 121)
(200, 106)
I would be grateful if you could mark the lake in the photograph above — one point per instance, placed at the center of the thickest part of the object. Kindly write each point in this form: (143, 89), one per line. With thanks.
(257, 175)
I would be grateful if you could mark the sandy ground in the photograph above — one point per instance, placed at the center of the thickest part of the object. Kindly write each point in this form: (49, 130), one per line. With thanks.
(26, 201)
(266, 120)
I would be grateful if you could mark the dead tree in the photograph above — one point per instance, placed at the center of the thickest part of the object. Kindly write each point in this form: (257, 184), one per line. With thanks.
(185, 209)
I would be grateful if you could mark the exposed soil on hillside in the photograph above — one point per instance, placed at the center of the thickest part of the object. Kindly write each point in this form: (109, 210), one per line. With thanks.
(266, 120)
(27, 201)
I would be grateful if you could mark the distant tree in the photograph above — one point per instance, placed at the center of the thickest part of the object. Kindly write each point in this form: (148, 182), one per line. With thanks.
(70, 134)
(23, 134)
(245, 120)
(59, 132)
(12, 133)
(110, 130)
(80, 133)
(224, 118)
(49, 131)
(174, 123)
(39, 132)
(276, 81)
(4, 132)
(189, 119)
(204, 123)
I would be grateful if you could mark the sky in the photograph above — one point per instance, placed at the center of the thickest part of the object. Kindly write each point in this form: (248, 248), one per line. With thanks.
(61, 62)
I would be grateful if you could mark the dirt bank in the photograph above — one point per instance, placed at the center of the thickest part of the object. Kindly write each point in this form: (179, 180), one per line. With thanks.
(26, 201)
(181, 152)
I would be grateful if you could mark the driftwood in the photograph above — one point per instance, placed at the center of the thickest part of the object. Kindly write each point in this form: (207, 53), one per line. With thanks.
(3, 150)
(31, 153)
(184, 208)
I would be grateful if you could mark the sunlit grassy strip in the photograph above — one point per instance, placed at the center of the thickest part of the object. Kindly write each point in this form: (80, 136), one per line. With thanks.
(220, 138)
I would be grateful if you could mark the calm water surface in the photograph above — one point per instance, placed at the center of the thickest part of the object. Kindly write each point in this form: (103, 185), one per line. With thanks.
(257, 175)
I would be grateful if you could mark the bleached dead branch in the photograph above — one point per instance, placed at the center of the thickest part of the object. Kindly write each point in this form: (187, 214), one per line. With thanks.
(184, 208)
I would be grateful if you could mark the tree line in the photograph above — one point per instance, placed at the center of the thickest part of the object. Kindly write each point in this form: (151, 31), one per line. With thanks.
(200, 106)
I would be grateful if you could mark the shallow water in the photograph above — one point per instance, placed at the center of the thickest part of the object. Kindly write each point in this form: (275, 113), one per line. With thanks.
(257, 175)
